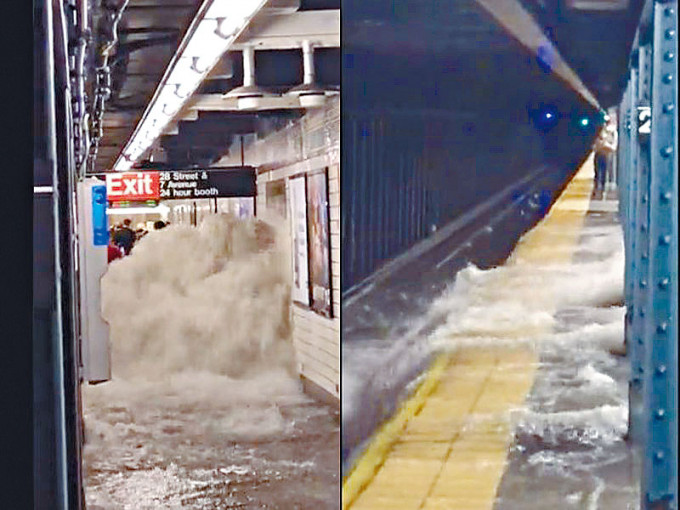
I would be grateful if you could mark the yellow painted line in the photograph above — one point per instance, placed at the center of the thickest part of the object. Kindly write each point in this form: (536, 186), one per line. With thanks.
(371, 460)
(447, 445)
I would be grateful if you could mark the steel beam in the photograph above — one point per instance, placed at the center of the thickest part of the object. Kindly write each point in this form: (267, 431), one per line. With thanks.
(282, 6)
(321, 28)
(156, 16)
(219, 103)
(659, 480)
(522, 26)
(640, 276)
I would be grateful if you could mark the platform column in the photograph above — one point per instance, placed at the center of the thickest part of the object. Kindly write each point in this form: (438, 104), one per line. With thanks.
(636, 310)
(659, 480)
(622, 157)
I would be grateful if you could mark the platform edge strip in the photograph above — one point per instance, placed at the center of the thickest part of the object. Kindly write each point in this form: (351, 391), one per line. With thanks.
(369, 463)
(372, 459)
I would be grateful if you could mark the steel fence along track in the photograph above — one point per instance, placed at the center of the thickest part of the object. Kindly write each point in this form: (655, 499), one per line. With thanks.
(407, 175)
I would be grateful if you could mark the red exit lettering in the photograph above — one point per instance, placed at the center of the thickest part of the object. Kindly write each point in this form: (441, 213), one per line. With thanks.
(133, 186)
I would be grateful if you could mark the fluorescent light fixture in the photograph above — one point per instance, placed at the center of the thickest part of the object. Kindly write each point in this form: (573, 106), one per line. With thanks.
(237, 9)
(227, 27)
(123, 211)
(124, 164)
(205, 42)
(212, 32)
(199, 65)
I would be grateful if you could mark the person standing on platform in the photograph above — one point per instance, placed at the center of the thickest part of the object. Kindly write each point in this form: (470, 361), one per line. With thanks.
(114, 251)
(604, 149)
(125, 236)
(613, 137)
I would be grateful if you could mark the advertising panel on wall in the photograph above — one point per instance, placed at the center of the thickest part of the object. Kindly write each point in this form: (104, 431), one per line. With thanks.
(319, 243)
(298, 216)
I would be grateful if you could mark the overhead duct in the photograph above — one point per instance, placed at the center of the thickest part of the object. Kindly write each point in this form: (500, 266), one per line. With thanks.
(249, 95)
(309, 93)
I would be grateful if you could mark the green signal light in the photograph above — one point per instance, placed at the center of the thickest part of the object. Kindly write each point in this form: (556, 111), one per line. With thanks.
(585, 122)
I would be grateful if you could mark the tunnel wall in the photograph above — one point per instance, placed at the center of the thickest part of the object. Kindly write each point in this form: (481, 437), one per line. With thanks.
(411, 175)
(421, 147)
(303, 147)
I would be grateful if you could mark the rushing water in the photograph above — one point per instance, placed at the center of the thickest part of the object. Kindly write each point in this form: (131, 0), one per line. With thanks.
(569, 449)
(205, 409)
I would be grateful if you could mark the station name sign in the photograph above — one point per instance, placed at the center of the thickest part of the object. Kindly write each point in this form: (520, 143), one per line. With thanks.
(181, 184)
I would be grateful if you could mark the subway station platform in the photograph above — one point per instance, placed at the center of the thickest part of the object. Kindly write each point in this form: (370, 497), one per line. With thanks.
(524, 404)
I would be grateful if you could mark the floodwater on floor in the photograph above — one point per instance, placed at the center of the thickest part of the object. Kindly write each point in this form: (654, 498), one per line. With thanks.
(569, 447)
(203, 441)
(205, 410)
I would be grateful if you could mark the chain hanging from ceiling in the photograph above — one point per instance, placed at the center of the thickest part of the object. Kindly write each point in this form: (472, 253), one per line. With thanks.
(105, 44)
(93, 37)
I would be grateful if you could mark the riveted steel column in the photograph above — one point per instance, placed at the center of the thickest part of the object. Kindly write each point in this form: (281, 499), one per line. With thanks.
(634, 311)
(622, 159)
(639, 281)
(630, 163)
(626, 160)
(50, 471)
(629, 222)
(625, 185)
(659, 481)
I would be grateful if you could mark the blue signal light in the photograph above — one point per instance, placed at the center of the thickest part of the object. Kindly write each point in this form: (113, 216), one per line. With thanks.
(545, 117)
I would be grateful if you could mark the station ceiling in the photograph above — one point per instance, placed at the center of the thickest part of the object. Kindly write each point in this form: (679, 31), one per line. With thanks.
(480, 51)
(593, 38)
(149, 34)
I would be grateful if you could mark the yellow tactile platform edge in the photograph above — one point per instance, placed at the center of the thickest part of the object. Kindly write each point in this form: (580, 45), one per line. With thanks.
(447, 445)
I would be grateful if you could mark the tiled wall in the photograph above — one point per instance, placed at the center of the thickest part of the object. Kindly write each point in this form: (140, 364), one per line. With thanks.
(305, 145)
(181, 210)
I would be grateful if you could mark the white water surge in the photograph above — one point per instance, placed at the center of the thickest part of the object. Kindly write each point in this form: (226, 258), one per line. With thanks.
(201, 356)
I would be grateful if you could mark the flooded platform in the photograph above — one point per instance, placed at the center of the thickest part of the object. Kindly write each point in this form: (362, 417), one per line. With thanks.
(205, 409)
(524, 403)
(190, 445)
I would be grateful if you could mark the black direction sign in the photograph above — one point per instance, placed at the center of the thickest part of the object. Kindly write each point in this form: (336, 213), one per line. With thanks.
(645, 120)
(207, 183)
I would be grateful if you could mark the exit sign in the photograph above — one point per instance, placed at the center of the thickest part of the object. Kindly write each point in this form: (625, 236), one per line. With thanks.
(133, 187)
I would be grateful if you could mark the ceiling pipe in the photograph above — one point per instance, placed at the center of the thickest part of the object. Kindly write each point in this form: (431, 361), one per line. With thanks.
(249, 94)
(309, 93)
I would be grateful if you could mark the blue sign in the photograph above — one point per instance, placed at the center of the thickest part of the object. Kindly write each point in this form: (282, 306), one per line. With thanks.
(99, 223)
